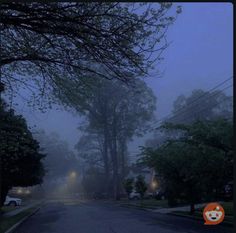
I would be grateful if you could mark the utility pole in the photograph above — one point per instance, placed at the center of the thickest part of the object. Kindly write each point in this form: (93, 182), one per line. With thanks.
(1, 106)
(1, 90)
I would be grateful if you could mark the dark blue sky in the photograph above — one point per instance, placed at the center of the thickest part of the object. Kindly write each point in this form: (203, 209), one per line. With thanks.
(201, 53)
(200, 56)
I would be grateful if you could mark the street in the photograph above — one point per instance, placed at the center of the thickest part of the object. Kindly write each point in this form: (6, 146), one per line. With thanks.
(102, 217)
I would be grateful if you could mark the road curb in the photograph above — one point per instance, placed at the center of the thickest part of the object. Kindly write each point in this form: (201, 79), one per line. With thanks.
(224, 223)
(12, 229)
(134, 207)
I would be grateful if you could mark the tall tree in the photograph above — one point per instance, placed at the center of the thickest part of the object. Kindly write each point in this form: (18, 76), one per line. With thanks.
(116, 112)
(93, 152)
(128, 185)
(199, 105)
(140, 186)
(21, 159)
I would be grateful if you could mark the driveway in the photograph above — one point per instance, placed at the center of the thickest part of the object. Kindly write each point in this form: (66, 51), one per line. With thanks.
(100, 217)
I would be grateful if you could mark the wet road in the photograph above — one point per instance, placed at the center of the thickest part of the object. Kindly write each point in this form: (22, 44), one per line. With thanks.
(99, 217)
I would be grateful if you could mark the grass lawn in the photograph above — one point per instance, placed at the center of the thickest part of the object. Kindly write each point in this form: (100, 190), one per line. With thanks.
(7, 222)
(6, 209)
(144, 204)
(228, 207)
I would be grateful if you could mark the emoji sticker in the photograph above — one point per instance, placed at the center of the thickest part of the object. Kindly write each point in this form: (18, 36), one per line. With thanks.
(213, 214)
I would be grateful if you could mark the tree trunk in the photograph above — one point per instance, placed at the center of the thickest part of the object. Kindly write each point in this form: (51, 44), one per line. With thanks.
(3, 192)
(192, 208)
(113, 149)
(115, 171)
(106, 159)
(123, 151)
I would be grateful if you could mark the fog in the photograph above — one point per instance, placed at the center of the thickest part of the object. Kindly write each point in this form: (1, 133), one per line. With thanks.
(200, 56)
(111, 108)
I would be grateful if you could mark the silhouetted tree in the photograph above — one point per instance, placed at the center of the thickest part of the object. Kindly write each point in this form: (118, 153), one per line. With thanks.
(201, 105)
(115, 112)
(128, 185)
(21, 161)
(197, 164)
(140, 186)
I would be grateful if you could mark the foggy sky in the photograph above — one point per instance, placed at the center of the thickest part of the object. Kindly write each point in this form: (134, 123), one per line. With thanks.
(200, 56)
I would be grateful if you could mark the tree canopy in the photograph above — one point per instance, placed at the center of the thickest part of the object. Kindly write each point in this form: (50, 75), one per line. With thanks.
(197, 164)
(20, 156)
(140, 185)
(115, 112)
(198, 106)
(128, 185)
(45, 42)
(201, 105)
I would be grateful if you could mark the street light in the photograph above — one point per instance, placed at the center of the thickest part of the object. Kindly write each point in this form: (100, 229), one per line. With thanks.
(19, 191)
(27, 191)
(72, 175)
(154, 185)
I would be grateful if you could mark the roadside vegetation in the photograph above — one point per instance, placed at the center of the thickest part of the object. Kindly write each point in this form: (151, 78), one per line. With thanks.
(91, 59)
(198, 214)
(89, 64)
(145, 204)
(193, 158)
(7, 222)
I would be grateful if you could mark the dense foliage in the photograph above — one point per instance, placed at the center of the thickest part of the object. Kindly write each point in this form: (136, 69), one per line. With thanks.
(128, 185)
(198, 163)
(140, 185)
(115, 112)
(21, 161)
(47, 43)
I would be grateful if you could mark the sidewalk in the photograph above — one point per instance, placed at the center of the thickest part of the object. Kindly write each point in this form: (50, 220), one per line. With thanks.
(182, 208)
(20, 209)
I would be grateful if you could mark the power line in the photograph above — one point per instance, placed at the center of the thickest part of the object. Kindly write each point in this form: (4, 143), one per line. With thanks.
(194, 101)
(214, 94)
(206, 107)
(203, 109)
(200, 97)
(208, 94)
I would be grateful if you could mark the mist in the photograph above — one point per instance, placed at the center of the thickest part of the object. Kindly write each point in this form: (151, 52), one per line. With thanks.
(92, 150)
(199, 56)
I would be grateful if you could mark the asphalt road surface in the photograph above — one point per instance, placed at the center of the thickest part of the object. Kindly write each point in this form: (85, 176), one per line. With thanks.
(100, 217)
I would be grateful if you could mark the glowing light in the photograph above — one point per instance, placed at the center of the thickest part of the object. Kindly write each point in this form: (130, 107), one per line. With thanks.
(72, 175)
(27, 191)
(19, 191)
(154, 184)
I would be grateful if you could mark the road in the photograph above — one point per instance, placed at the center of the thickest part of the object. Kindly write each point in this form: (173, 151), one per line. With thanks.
(100, 217)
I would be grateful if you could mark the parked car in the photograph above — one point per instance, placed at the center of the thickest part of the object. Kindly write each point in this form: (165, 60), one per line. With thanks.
(12, 201)
(134, 196)
(229, 191)
(149, 195)
(226, 192)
